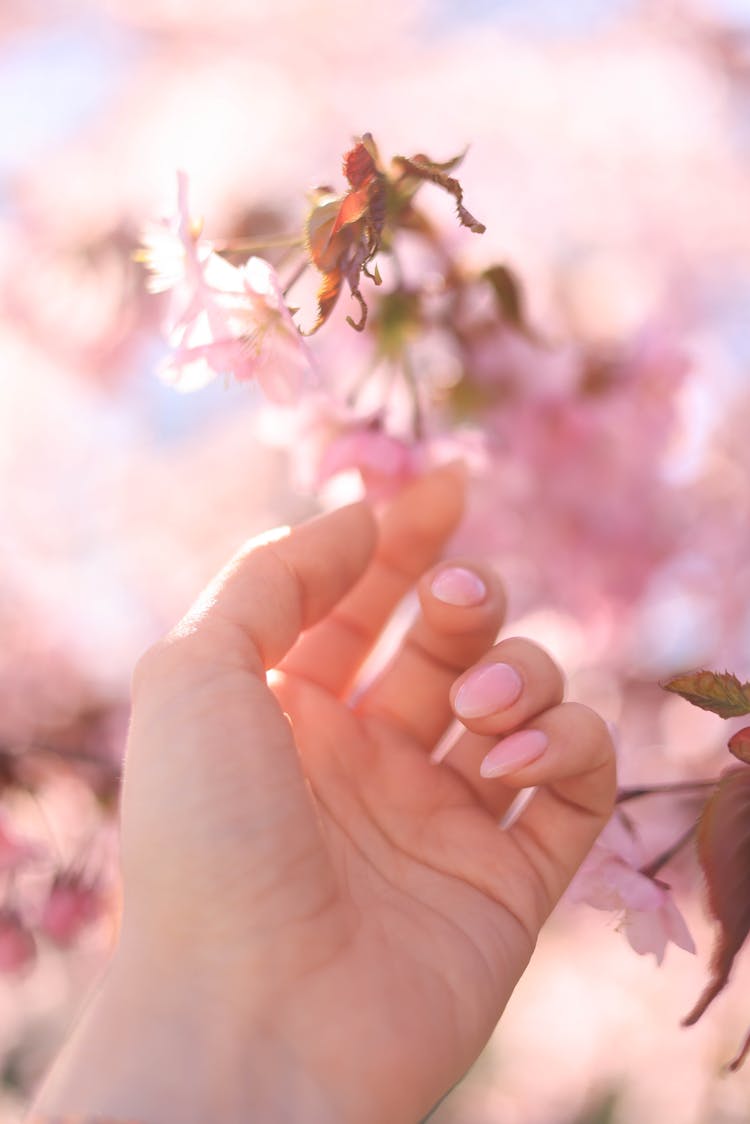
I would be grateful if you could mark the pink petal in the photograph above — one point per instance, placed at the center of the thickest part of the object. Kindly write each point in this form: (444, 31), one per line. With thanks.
(646, 932)
(676, 926)
(636, 891)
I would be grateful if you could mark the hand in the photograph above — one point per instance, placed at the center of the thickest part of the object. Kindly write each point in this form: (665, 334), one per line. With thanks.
(321, 924)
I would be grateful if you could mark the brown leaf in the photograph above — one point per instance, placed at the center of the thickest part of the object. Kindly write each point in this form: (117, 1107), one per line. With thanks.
(423, 168)
(724, 856)
(719, 692)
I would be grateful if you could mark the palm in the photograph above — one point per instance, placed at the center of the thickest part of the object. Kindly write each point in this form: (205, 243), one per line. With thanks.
(417, 859)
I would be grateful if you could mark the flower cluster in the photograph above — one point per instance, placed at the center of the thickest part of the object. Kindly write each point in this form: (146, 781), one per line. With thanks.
(223, 320)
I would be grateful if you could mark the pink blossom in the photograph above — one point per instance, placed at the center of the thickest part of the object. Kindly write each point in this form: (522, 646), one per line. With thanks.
(71, 905)
(610, 879)
(224, 319)
(385, 463)
(17, 947)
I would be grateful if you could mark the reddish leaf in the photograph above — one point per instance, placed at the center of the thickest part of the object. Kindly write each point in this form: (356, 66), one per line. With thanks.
(361, 162)
(739, 744)
(724, 855)
(344, 233)
(719, 692)
(353, 208)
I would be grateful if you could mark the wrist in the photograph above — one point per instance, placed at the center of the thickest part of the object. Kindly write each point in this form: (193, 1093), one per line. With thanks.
(169, 1048)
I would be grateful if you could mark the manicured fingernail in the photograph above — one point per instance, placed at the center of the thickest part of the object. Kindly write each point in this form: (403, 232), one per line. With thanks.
(494, 686)
(513, 753)
(458, 586)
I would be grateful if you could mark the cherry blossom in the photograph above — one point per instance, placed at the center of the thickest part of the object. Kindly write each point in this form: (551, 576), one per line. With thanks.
(223, 319)
(611, 879)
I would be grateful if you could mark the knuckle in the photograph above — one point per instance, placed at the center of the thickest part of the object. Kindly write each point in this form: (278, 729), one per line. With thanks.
(590, 726)
(536, 663)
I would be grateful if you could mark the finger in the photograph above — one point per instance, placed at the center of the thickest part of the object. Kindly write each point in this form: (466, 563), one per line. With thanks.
(461, 609)
(516, 681)
(413, 532)
(253, 611)
(567, 754)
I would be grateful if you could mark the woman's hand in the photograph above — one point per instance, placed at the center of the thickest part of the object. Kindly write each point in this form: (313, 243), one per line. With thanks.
(320, 923)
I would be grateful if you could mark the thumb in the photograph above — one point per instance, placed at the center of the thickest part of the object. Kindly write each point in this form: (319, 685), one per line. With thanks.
(212, 784)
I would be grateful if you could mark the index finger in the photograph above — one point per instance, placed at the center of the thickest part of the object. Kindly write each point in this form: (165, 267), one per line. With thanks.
(413, 533)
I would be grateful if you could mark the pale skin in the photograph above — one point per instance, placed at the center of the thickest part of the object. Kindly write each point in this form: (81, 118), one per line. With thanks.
(319, 922)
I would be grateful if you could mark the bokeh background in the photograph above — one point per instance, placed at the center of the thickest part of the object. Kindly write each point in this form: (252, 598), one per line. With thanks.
(610, 160)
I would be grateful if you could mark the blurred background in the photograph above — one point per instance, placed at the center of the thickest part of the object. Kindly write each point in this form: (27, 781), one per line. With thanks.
(610, 161)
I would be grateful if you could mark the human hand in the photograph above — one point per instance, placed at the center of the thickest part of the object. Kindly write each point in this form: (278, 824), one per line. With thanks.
(319, 922)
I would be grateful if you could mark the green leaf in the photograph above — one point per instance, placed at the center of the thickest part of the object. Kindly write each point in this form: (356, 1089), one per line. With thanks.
(509, 294)
(719, 692)
(724, 856)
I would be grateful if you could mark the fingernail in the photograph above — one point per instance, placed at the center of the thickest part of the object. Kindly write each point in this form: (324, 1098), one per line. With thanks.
(494, 686)
(458, 586)
(513, 753)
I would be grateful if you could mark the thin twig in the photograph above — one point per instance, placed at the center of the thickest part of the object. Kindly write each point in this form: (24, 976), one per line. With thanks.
(676, 788)
(252, 245)
(295, 277)
(650, 870)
